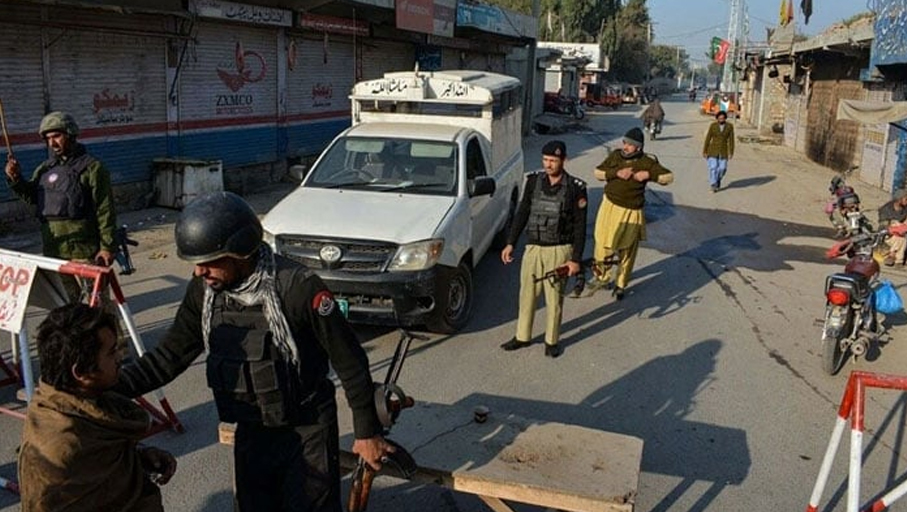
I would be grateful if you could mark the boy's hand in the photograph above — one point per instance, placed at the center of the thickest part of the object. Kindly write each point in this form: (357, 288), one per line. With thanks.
(12, 169)
(159, 464)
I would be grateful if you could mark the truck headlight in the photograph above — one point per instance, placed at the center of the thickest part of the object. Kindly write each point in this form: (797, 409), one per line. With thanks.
(417, 255)
(270, 239)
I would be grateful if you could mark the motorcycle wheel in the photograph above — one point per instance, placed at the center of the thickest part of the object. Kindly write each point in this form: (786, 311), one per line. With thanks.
(833, 355)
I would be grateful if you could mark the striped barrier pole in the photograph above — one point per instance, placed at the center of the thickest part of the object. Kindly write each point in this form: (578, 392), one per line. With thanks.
(856, 447)
(836, 434)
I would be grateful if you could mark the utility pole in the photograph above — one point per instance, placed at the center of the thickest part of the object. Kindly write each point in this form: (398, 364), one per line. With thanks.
(728, 75)
(648, 53)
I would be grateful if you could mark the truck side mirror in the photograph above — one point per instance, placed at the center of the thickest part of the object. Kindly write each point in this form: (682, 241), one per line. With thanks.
(481, 186)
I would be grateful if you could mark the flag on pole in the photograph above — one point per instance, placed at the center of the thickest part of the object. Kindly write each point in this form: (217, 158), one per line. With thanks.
(719, 49)
(806, 6)
(786, 15)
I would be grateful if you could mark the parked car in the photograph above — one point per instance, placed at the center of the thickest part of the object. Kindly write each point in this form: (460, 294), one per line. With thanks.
(718, 101)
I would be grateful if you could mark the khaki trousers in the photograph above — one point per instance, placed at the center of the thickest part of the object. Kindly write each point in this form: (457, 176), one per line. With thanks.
(536, 261)
(624, 267)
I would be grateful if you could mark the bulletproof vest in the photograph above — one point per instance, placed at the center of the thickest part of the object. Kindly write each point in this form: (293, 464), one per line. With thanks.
(546, 215)
(61, 195)
(250, 379)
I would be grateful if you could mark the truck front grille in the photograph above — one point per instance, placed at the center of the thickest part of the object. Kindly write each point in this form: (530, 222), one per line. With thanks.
(360, 256)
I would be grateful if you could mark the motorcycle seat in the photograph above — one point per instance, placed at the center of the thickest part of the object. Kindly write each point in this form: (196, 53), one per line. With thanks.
(858, 284)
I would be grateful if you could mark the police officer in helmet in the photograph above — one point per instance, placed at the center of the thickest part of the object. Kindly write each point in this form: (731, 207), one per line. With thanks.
(73, 198)
(270, 328)
(553, 213)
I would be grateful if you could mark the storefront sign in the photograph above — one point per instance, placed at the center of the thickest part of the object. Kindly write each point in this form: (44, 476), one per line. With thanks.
(110, 107)
(333, 25)
(416, 15)
(436, 17)
(246, 67)
(490, 18)
(16, 278)
(232, 11)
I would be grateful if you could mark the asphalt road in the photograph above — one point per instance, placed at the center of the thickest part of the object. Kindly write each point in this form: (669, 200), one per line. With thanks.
(713, 357)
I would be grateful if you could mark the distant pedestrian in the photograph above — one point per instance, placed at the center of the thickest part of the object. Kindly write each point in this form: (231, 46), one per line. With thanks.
(718, 148)
(553, 212)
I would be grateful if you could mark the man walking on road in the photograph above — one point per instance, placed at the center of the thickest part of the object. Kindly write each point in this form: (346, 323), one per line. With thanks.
(718, 148)
(271, 328)
(73, 197)
(621, 223)
(553, 212)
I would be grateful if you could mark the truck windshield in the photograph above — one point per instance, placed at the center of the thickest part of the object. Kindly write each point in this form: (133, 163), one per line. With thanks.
(391, 165)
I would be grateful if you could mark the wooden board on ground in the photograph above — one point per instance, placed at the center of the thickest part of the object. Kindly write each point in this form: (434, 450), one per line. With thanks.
(554, 465)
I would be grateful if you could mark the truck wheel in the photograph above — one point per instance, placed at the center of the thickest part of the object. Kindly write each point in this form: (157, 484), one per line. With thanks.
(453, 301)
(500, 239)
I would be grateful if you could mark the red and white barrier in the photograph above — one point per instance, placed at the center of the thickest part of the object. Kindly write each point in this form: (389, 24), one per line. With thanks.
(852, 408)
(32, 279)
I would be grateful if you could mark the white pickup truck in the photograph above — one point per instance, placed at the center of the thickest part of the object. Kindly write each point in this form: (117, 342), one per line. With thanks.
(399, 209)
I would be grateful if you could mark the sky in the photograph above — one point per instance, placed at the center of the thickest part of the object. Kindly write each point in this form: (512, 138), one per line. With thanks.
(692, 23)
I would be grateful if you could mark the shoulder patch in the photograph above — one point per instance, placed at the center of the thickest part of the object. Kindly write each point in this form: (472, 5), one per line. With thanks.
(582, 203)
(323, 303)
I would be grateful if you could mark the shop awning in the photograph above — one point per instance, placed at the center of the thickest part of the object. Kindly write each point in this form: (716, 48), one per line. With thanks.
(872, 112)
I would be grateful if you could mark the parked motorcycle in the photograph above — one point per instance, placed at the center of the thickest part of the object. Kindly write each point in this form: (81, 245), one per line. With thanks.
(851, 325)
(568, 105)
(844, 201)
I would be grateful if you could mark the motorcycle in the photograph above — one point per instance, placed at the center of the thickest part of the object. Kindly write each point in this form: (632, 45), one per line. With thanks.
(851, 325)
(844, 201)
(654, 128)
(568, 105)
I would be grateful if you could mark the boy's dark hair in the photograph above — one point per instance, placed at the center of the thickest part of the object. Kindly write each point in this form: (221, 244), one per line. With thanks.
(69, 337)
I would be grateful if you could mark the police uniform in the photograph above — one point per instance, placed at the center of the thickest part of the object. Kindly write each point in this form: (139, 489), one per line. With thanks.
(286, 449)
(620, 223)
(554, 217)
(73, 198)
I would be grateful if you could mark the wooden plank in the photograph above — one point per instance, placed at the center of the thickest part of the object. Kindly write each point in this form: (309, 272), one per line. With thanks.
(564, 467)
(495, 504)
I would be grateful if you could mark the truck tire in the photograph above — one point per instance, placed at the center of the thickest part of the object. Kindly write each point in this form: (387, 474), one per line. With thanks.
(500, 238)
(453, 301)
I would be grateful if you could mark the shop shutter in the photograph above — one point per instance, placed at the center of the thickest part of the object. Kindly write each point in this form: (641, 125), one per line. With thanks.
(318, 89)
(379, 57)
(20, 71)
(114, 84)
(228, 95)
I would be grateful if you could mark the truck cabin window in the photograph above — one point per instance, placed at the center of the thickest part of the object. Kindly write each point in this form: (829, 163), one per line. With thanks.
(388, 165)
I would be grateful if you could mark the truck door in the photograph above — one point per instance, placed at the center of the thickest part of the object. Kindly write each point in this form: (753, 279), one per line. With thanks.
(481, 207)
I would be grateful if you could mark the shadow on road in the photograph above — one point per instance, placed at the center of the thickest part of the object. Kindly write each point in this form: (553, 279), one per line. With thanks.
(750, 182)
(650, 402)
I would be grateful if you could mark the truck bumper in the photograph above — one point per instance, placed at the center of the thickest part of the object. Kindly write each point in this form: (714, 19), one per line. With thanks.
(389, 298)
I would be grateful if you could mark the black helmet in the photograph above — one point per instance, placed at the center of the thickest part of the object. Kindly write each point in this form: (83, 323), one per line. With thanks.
(217, 225)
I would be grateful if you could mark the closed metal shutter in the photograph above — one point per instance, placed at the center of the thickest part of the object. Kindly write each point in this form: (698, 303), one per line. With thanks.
(228, 95)
(318, 89)
(114, 84)
(379, 57)
(20, 71)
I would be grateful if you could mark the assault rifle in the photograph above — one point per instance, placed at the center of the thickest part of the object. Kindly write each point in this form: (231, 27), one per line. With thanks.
(389, 401)
(122, 242)
(560, 272)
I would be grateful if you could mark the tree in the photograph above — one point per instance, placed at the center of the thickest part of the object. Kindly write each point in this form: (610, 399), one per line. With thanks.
(626, 41)
(668, 61)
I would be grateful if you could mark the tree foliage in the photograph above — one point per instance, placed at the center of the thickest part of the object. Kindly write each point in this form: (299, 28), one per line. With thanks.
(623, 29)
